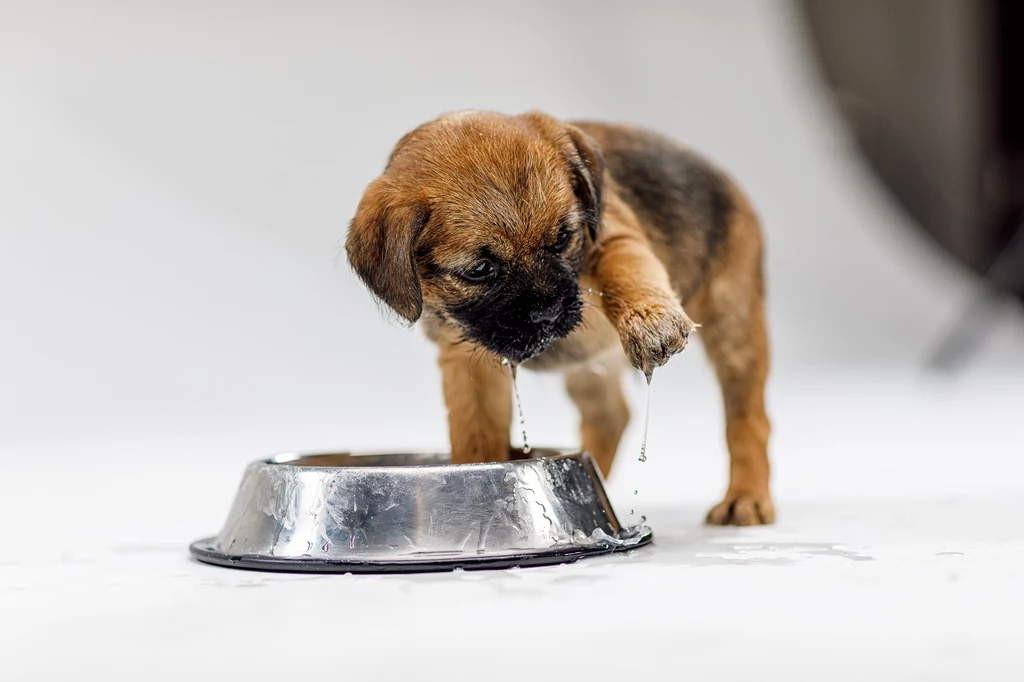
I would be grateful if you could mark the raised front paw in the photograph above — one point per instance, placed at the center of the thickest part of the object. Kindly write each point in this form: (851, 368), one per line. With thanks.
(651, 334)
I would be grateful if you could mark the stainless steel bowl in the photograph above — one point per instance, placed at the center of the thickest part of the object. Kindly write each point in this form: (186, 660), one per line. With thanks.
(417, 512)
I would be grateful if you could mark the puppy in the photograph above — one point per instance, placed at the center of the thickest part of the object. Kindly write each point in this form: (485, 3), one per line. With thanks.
(570, 247)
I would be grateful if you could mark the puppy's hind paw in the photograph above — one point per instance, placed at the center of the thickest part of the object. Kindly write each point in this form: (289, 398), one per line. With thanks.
(743, 509)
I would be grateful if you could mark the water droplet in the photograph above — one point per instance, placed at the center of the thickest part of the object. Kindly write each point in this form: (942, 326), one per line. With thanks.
(504, 361)
(631, 512)
(326, 546)
(636, 492)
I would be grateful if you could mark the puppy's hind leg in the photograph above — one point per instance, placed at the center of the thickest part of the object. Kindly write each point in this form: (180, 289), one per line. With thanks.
(478, 395)
(597, 392)
(736, 340)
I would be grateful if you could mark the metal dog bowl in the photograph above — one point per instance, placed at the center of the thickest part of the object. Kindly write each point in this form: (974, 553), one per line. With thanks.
(366, 513)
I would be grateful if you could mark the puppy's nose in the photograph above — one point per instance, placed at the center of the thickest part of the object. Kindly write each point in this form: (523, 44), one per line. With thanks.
(546, 314)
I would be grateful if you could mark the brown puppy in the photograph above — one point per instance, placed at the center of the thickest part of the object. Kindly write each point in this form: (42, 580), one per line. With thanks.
(494, 229)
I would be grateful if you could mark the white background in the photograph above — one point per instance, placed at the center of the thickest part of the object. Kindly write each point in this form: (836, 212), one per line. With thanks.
(175, 185)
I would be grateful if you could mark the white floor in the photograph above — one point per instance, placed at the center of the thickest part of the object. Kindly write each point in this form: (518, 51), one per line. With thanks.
(897, 555)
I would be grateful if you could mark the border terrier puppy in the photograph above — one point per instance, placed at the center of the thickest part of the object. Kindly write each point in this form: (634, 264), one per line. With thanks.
(499, 232)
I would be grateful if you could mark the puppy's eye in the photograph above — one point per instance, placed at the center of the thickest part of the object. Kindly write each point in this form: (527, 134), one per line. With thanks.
(562, 240)
(479, 272)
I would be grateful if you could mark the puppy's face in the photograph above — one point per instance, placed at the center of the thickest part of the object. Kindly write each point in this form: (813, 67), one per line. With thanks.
(487, 221)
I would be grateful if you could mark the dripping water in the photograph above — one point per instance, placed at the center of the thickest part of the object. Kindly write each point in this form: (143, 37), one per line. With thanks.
(519, 405)
(643, 442)
(647, 419)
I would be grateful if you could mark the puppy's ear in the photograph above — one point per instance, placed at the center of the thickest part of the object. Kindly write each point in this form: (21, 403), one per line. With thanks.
(381, 245)
(587, 165)
(585, 162)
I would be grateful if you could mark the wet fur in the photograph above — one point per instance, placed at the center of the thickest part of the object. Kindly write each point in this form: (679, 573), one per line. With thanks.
(653, 226)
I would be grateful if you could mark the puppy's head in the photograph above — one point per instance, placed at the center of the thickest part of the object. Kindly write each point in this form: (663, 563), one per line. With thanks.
(485, 220)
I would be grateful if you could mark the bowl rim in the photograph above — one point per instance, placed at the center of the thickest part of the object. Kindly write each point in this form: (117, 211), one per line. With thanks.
(545, 454)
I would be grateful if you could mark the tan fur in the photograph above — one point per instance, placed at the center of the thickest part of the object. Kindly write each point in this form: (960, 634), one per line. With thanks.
(476, 180)
(735, 337)
(478, 394)
(596, 390)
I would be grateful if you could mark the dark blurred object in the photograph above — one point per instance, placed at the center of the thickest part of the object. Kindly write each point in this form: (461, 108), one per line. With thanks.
(932, 92)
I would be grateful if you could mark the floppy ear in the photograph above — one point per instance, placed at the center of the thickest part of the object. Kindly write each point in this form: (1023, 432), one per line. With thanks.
(587, 165)
(381, 244)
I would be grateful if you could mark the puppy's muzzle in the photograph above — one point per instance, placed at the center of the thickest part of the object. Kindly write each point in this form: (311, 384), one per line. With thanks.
(547, 314)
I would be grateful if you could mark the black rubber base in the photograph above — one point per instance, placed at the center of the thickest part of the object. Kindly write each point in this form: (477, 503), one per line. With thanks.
(204, 551)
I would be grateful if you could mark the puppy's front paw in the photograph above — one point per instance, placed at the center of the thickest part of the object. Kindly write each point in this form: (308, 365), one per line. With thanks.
(743, 509)
(651, 334)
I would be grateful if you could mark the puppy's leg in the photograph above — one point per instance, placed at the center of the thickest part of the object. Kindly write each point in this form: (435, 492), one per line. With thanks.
(604, 413)
(734, 334)
(478, 395)
(638, 296)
